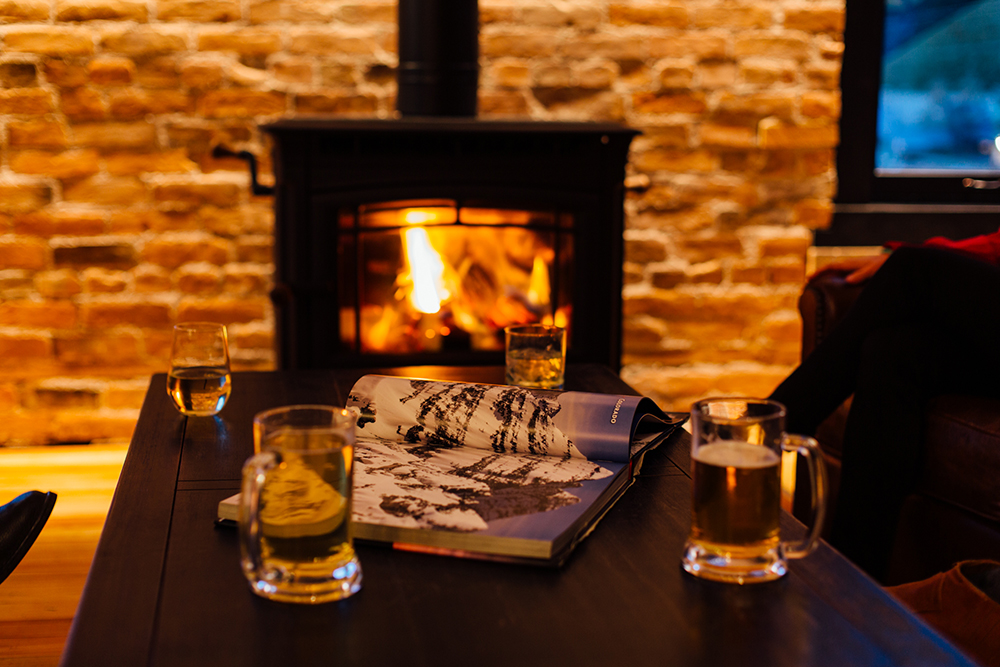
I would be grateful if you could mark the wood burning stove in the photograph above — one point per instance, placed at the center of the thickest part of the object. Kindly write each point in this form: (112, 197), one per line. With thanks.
(414, 241)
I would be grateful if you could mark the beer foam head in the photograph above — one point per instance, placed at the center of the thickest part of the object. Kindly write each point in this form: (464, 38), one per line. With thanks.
(735, 454)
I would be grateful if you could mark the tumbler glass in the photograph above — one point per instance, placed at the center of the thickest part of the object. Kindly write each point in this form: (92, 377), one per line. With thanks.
(536, 356)
(199, 379)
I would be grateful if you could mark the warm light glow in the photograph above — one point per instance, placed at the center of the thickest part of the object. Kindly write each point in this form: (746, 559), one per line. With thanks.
(788, 471)
(418, 217)
(426, 271)
(539, 292)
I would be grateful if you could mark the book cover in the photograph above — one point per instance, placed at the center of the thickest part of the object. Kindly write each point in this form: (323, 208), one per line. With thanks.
(491, 471)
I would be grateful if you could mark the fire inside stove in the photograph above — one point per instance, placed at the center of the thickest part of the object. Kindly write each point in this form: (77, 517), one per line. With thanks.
(437, 275)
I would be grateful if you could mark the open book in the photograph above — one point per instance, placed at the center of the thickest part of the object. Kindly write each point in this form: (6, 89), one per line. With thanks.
(491, 471)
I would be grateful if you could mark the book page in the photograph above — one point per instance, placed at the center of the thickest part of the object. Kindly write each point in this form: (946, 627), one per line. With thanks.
(410, 485)
(498, 418)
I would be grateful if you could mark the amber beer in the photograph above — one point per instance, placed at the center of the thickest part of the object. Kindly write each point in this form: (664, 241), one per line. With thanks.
(736, 502)
(295, 505)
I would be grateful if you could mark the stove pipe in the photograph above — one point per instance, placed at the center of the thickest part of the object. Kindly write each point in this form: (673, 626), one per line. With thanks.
(438, 71)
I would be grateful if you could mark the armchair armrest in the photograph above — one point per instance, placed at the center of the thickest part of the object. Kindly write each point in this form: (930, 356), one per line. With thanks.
(823, 302)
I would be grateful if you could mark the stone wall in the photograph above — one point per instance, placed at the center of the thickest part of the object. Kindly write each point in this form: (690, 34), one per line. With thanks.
(116, 221)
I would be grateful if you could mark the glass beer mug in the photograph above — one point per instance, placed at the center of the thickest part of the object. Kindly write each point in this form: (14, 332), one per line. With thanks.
(736, 447)
(295, 505)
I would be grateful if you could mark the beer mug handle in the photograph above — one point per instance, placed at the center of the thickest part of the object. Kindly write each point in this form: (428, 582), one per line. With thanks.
(809, 448)
(255, 471)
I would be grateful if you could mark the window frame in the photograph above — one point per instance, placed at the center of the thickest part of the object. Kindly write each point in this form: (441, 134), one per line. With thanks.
(871, 209)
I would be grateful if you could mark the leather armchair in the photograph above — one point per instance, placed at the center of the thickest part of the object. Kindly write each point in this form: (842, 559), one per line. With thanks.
(954, 513)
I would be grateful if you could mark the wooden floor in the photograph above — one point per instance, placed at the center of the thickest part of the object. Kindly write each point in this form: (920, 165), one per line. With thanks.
(38, 600)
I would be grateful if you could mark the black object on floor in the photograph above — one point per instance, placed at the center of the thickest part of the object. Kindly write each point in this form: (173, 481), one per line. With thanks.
(21, 520)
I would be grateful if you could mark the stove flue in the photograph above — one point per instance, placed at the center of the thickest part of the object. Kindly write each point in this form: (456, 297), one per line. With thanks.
(438, 71)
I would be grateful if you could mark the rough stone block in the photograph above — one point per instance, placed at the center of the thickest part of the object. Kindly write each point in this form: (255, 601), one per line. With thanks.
(84, 104)
(700, 45)
(14, 11)
(57, 284)
(98, 280)
(246, 279)
(46, 223)
(257, 249)
(821, 104)
(815, 20)
(173, 251)
(17, 347)
(728, 15)
(198, 193)
(744, 272)
(128, 311)
(753, 106)
(143, 41)
(18, 75)
(132, 104)
(199, 278)
(336, 102)
(727, 136)
(332, 42)
(201, 11)
(63, 165)
(787, 271)
(51, 395)
(202, 75)
(795, 47)
(664, 16)
(107, 191)
(21, 253)
(774, 133)
(503, 104)
(52, 41)
(26, 101)
(97, 349)
(767, 71)
(644, 250)
(112, 255)
(65, 74)
(667, 278)
(23, 197)
(223, 311)
(691, 102)
(247, 42)
(116, 136)
(124, 394)
(168, 161)
(150, 278)
(42, 133)
(813, 213)
(101, 10)
(677, 76)
(241, 103)
(85, 426)
(518, 44)
(38, 314)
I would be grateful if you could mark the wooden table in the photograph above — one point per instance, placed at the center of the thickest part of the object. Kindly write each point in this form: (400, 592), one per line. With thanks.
(166, 588)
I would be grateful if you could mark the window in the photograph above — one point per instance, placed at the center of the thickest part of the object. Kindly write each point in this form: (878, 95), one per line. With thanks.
(920, 127)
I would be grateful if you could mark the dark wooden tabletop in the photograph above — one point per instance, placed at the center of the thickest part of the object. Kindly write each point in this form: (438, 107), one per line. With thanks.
(166, 588)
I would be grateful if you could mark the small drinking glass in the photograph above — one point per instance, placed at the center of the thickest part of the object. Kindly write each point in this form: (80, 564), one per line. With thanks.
(199, 379)
(295, 505)
(536, 356)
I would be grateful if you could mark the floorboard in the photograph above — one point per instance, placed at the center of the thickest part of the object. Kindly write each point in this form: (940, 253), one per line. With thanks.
(38, 600)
